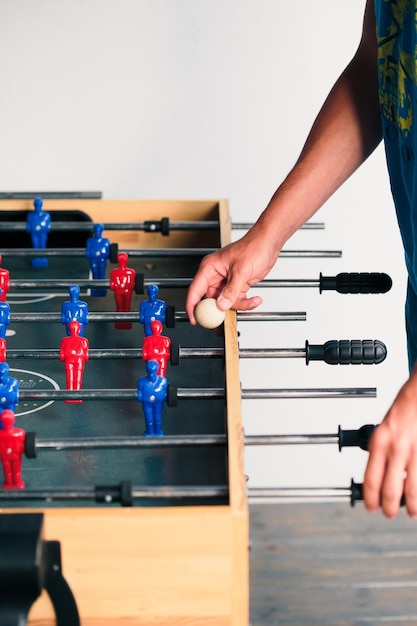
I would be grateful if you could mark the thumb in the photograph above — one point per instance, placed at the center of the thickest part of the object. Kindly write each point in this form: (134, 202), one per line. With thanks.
(227, 298)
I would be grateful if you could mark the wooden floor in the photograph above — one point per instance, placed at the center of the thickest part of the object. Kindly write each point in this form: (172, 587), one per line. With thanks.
(328, 563)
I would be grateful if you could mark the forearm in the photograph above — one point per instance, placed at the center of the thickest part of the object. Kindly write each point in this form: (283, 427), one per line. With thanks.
(344, 134)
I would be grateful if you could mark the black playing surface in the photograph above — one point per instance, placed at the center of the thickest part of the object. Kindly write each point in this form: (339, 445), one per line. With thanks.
(179, 466)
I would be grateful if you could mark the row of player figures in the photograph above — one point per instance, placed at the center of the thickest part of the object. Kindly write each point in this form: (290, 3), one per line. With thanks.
(38, 225)
(99, 249)
(122, 283)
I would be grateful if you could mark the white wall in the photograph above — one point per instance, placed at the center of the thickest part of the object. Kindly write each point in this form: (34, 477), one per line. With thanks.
(205, 99)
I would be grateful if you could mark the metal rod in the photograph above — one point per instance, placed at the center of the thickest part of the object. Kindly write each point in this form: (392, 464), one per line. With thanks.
(80, 443)
(55, 283)
(300, 492)
(354, 493)
(181, 316)
(93, 354)
(51, 195)
(258, 316)
(158, 252)
(272, 353)
(306, 226)
(105, 316)
(183, 225)
(311, 254)
(89, 493)
(111, 494)
(80, 252)
(286, 283)
(278, 440)
(44, 283)
(136, 353)
(344, 438)
(354, 283)
(260, 394)
(198, 393)
(181, 492)
(83, 443)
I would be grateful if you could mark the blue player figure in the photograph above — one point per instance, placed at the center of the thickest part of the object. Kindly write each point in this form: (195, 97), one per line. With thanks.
(9, 389)
(98, 252)
(4, 317)
(74, 310)
(38, 224)
(152, 392)
(152, 309)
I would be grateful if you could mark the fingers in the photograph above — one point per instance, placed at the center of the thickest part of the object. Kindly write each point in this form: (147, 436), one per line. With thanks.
(208, 275)
(410, 487)
(229, 298)
(375, 470)
(391, 474)
(225, 301)
(218, 278)
(196, 291)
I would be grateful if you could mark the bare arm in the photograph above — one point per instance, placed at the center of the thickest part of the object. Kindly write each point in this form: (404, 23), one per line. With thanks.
(345, 132)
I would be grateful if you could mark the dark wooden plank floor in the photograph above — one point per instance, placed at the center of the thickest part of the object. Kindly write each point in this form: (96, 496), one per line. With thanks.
(328, 563)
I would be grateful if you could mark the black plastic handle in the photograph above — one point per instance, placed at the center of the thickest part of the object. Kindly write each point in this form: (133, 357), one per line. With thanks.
(356, 493)
(356, 282)
(344, 352)
(356, 438)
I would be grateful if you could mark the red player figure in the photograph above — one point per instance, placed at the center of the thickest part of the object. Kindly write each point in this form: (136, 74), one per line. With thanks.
(74, 353)
(156, 347)
(4, 282)
(2, 350)
(12, 446)
(122, 282)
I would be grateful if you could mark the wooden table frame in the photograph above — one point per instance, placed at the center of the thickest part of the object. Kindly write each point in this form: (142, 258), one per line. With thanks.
(164, 565)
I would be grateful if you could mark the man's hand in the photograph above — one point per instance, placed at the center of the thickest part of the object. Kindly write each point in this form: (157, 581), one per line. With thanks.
(228, 274)
(392, 466)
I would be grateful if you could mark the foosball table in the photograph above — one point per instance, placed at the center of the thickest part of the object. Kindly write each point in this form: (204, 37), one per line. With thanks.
(116, 512)
(152, 530)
